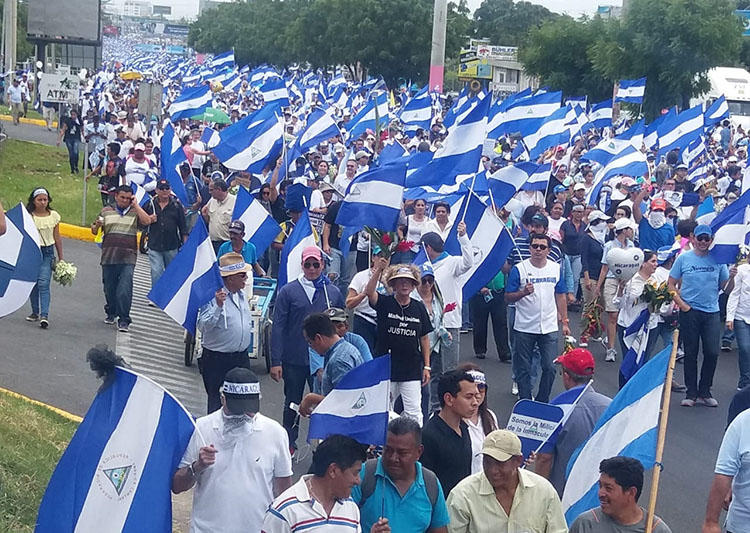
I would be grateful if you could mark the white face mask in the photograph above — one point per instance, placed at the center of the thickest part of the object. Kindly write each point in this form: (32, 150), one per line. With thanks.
(657, 219)
(599, 232)
(234, 426)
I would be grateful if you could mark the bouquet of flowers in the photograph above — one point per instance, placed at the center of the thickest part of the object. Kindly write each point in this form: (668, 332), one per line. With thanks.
(591, 320)
(656, 296)
(387, 241)
(569, 343)
(743, 257)
(64, 273)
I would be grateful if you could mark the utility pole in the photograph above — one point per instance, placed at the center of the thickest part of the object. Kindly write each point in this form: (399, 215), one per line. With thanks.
(10, 14)
(437, 57)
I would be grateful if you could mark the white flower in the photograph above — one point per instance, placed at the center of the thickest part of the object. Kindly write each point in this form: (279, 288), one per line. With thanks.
(65, 273)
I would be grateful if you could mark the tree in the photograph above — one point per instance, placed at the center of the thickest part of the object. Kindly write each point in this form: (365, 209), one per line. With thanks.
(508, 23)
(24, 49)
(557, 53)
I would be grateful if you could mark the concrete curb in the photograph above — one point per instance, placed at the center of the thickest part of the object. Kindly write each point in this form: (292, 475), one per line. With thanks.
(33, 121)
(76, 232)
(64, 414)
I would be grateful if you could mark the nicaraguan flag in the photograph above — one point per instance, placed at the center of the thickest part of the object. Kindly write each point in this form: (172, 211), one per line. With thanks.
(190, 280)
(731, 229)
(461, 152)
(141, 196)
(374, 198)
(290, 263)
(462, 111)
(631, 91)
(552, 131)
(634, 134)
(260, 227)
(628, 427)
(628, 162)
(233, 82)
(581, 101)
(172, 155)
(116, 473)
(567, 400)
(223, 60)
(366, 118)
(252, 149)
(417, 113)
(652, 130)
(525, 115)
(600, 115)
(210, 137)
(392, 152)
(603, 152)
(20, 259)
(680, 130)
(539, 178)
(505, 182)
(716, 112)
(358, 406)
(490, 242)
(191, 102)
(635, 339)
(274, 90)
(693, 151)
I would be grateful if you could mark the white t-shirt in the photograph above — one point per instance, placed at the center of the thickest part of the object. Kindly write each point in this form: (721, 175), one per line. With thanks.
(554, 228)
(358, 284)
(447, 271)
(198, 159)
(136, 172)
(316, 200)
(476, 433)
(537, 312)
(233, 494)
(415, 228)
(432, 225)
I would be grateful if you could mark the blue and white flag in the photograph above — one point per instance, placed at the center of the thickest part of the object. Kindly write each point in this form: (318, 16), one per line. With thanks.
(20, 259)
(552, 131)
(417, 113)
(568, 400)
(505, 182)
(392, 152)
(141, 196)
(374, 198)
(274, 90)
(460, 154)
(252, 149)
(628, 427)
(372, 116)
(600, 115)
(539, 178)
(731, 229)
(210, 137)
(651, 137)
(223, 60)
(524, 115)
(681, 130)
(116, 472)
(634, 134)
(172, 155)
(490, 243)
(260, 227)
(358, 406)
(190, 280)
(581, 101)
(628, 162)
(191, 102)
(716, 112)
(290, 263)
(635, 339)
(693, 152)
(603, 152)
(631, 91)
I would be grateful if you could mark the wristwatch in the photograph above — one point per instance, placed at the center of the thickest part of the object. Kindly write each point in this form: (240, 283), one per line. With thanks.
(192, 471)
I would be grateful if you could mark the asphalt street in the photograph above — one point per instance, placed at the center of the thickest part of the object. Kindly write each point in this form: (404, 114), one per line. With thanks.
(29, 132)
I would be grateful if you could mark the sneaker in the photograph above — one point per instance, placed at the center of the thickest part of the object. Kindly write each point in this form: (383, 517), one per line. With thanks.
(605, 342)
(44, 323)
(514, 389)
(708, 402)
(109, 320)
(726, 346)
(687, 402)
(678, 387)
(33, 317)
(611, 355)
(480, 355)
(123, 327)
(583, 343)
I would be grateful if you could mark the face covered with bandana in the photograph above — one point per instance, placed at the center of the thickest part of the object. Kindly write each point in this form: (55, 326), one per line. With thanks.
(240, 404)
(657, 218)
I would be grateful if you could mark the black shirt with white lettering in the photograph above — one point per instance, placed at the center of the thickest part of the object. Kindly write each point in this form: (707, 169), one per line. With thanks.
(399, 330)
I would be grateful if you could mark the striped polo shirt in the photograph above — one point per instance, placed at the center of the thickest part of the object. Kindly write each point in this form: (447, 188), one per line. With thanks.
(120, 243)
(296, 511)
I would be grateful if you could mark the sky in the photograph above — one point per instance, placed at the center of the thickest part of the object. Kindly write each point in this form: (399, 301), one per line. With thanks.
(574, 8)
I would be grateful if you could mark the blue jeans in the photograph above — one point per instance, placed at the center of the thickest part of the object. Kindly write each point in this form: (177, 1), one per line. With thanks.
(699, 329)
(573, 268)
(40, 292)
(159, 262)
(742, 334)
(118, 291)
(522, 362)
(73, 147)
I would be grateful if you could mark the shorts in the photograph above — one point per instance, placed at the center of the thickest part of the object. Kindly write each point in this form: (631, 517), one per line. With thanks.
(609, 293)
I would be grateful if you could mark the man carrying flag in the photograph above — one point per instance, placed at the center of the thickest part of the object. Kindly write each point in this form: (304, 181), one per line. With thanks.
(584, 407)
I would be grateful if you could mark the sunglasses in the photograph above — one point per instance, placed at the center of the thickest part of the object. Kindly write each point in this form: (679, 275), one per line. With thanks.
(312, 265)
(266, 193)
(425, 281)
(539, 246)
(704, 238)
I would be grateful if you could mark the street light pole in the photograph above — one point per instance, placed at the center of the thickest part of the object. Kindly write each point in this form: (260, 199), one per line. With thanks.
(437, 56)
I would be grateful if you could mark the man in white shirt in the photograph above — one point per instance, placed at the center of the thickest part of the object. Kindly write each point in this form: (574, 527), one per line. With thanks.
(343, 180)
(15, 100)
(538, 289)
(448, 269)
(237, 459)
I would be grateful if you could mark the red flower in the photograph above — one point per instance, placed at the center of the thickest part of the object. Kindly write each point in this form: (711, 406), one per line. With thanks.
(387, 239)
(404, 246)
(449, 307)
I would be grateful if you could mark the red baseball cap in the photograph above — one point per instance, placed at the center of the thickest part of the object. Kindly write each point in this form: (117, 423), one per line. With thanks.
(659, 203)
(579, 361)
(312, 251)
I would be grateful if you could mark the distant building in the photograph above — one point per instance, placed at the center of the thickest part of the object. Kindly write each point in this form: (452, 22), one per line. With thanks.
(609, 12)
(171, 10)
(497, 66)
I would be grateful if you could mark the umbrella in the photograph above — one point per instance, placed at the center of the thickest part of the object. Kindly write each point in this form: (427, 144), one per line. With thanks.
(131, 75)
(212, 114)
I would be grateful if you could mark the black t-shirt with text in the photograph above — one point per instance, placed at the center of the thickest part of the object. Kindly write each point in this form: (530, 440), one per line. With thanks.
(400, 329)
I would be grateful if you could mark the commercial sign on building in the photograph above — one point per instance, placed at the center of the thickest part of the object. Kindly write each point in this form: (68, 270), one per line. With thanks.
(475, 68)
(499, 53)
(59, 88)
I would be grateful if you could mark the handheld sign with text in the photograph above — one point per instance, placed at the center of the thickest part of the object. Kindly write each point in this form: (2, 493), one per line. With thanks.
(534, 423)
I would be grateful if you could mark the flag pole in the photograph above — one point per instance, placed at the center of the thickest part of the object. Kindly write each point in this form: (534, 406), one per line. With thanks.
(662, 434)
(471, 191)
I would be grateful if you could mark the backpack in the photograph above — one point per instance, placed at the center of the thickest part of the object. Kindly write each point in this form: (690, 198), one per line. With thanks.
(367, 486)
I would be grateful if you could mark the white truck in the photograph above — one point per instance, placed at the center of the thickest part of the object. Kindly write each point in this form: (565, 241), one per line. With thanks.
(734, 84)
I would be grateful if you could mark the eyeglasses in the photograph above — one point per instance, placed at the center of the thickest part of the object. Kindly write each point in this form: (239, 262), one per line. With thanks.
(704, 238)
(539, 246)
(425, 281)
(266, 193)
(312, 265)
